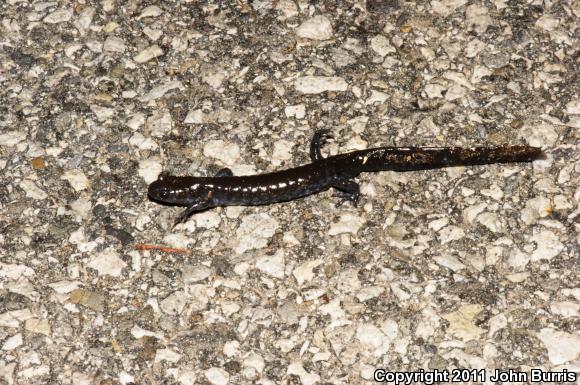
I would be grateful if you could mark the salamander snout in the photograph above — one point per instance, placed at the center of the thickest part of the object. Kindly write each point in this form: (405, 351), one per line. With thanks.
(160, 191)
(176, 190)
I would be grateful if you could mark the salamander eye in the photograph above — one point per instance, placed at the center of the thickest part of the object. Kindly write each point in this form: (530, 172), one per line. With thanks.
(163, 175)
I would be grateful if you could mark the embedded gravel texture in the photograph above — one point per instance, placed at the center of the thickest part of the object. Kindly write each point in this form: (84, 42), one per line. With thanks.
(470, 267)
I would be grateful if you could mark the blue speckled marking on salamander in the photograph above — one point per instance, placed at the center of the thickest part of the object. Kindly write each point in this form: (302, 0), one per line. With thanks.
(339, 171)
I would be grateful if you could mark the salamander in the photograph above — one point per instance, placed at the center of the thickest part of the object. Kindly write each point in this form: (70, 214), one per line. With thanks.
(338, 171)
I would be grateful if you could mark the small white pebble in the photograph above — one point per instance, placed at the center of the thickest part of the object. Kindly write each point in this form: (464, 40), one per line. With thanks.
(491, 221)
(438, 224)
(319, 84)
(207, 219)
(451, 233)
(566, 309)
(150, 11)
(32, 190)
(12, 138)
(348, 223)
(298, 111)
(177, 240)
(77, 179)
(148, 54)
(102, 113)
(114, 44)
(449, 262)
(167, 355)
(196, 117)
(255, 231)
(282, 151)
(228, 153)
(477, 18)
(272, 264)
(232, 348)
(381, 45)
(186, 377)
(306, 378)
(304, 272)
(84, 20)
(548, 245)
(217, 376)
(192, 274)
(107, 263)
(160, 90)
(536, 208)
(136, 121)
(573, 107)
(64, 287)
(125, 378)
(317, 28)
(13, 342)
(434, 90)
(254, 360)
(149, 169)
(58, 16)
(446, 7)
(214, 77)
(562, 347)
(174, 303)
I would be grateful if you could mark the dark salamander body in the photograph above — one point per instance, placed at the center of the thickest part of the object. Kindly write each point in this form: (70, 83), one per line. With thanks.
(339, 171)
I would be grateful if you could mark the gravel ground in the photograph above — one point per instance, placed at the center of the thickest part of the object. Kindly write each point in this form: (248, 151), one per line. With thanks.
(470, 267)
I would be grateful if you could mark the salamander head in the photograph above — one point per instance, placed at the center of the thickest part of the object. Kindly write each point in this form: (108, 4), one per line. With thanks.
(176, 190)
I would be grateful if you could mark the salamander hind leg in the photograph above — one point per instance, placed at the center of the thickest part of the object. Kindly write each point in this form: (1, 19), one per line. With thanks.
(224, 172)
(318, 140)
(195, 207)
(350, 191)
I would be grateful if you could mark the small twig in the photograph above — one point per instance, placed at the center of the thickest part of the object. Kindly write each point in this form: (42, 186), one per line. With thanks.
(166, 249)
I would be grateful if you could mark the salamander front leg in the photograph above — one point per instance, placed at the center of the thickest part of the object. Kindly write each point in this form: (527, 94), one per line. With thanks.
(320, 137)
(195, 207)
(350, 191)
